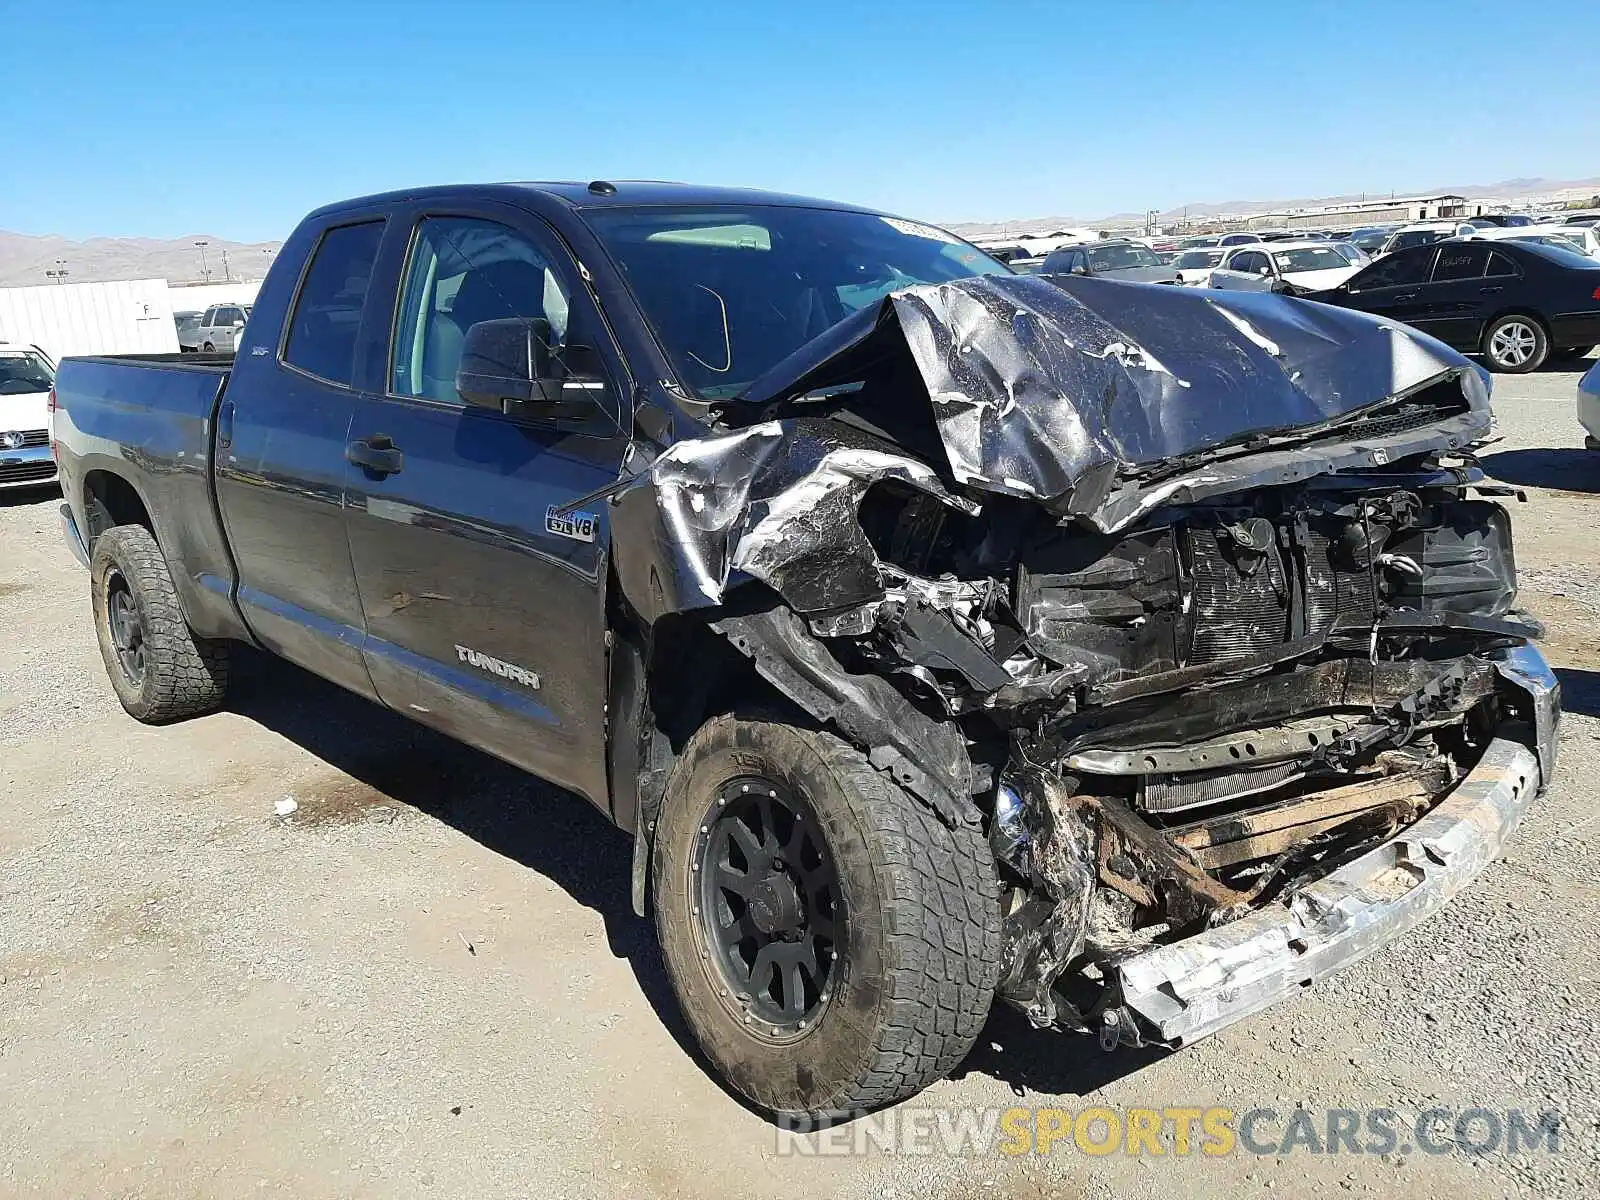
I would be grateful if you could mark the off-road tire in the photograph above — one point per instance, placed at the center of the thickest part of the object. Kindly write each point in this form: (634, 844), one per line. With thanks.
(913, 984)
(1539, 352)
(183, 675)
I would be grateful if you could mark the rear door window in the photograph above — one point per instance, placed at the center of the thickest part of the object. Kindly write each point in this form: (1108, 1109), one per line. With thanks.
(326, 317)
(1460, 262)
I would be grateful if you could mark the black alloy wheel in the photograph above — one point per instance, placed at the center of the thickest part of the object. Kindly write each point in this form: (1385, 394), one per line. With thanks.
(126, 627)
(770, 908)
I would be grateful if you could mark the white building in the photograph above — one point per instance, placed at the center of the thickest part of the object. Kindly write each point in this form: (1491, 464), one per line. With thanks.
(127, 317)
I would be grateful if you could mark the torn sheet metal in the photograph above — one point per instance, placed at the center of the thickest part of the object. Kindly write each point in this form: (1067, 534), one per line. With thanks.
(775, 502)
(1058, 389)
(1187, 990)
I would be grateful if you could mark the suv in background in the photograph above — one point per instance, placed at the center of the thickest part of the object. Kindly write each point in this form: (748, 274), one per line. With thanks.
(220, 328)
(1125, 260)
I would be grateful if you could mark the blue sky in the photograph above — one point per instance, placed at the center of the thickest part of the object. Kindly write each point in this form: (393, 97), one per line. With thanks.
(233, 120)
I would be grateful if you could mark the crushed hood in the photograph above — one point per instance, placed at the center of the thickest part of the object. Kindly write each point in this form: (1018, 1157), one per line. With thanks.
(1037, 384)
(1081, 394)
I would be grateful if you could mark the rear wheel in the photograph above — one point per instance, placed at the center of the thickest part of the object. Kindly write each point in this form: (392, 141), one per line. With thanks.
(1515, 344)
(834, 945)
(159, 669)
(209, 348)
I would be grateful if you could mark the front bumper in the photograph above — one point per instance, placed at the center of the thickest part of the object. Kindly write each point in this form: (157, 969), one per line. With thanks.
(1179, 993)
(26, 466)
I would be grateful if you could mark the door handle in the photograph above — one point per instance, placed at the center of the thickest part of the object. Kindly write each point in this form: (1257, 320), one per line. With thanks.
(1405, 296)
(1489, 291)
(225, 424)
(376, 453)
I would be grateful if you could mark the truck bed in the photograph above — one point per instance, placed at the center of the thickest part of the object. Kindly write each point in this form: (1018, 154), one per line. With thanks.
(148, 422)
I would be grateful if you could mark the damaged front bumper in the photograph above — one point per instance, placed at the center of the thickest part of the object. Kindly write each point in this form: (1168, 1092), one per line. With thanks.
(1174, 994)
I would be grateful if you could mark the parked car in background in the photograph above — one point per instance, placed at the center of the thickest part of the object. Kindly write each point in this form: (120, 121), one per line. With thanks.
(220, 327)
(1311, 266)
(26, 377)
(1516, 303)
(1125, 260)
(1370, 240)
(1589, 407)
(1201, 242)
(188, 326)
(1238, 239)
(1194, 267)
(1585, 239)
(1583, 218)
(1425, 233)
(1354, 254)
(1501, 221)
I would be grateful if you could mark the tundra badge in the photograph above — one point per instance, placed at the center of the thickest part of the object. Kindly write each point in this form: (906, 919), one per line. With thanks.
(579, 526)
(497, 666)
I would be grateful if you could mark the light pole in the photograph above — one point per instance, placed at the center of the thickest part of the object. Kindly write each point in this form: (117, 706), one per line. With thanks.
(205, 271)
(227, 274)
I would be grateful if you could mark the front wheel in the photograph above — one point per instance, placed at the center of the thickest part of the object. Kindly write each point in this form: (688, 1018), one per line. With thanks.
(159, 669)
(1515, 344)
(833, 944)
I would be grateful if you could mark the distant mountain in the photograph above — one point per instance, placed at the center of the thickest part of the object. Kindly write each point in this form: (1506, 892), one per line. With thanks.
(24, 259)
(1507, 189)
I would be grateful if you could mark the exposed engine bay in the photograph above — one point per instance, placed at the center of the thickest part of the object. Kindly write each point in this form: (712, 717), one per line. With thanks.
(1181, 657)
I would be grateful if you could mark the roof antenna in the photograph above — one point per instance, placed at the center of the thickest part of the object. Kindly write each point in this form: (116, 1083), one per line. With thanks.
(599, 187)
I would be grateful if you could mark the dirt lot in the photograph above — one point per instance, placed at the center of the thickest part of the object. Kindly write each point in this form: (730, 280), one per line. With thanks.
(428, 981)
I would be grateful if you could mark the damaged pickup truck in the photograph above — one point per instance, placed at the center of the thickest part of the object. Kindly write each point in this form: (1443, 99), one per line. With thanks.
(1134, 655)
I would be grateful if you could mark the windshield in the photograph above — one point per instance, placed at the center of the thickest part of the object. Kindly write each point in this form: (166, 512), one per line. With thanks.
(22, 372)
(1118, 258)
(1419, 237)
(730, 291)
(1311, 258)
(1191, 260)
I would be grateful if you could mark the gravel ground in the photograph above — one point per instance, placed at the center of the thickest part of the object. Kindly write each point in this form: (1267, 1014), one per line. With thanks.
(427, 980)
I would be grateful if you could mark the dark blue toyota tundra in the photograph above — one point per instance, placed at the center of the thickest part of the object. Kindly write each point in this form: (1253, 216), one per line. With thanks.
(1136, 655)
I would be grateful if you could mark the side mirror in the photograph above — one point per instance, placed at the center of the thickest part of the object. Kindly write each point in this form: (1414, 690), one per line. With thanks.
(238, 324)
(1080, 269)
(511, 367)
(1263, 271)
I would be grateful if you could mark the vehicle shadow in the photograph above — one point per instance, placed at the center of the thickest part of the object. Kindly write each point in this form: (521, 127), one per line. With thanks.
(542, 827)
(1580, 691)
(395, 761)
(20, 496)
(1568, 470)
(1052, 1062)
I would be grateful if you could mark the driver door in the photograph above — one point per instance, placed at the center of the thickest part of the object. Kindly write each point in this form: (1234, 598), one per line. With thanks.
(485, 612)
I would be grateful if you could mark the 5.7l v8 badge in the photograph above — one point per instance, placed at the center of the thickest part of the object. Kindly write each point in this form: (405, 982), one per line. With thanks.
(579, 526)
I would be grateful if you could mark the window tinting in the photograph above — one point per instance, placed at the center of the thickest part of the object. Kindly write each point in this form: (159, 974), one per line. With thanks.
(1459, 262)
(463, 271)
(1500, 265)
(327, 313)
(1398, 269)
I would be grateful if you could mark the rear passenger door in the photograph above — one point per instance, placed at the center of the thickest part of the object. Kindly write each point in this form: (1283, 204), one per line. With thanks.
(1455, 298)
(281, 434)
(486, 612)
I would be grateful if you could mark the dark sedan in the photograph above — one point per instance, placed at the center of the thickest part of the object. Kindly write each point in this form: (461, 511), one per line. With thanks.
(1515, 303)
(1110, 260)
